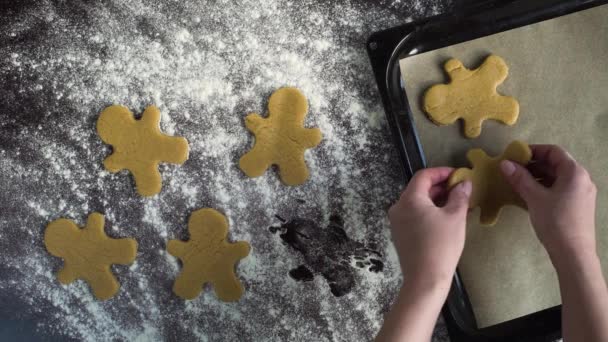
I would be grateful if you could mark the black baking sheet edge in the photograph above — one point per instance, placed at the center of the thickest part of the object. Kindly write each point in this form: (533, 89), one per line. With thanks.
(385, 49)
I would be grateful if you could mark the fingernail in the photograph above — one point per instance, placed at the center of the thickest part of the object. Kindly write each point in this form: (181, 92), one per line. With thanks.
(507, 167)
(465, 187)
(570, 156)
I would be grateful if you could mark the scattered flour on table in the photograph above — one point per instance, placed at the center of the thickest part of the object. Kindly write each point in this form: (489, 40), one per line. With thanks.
(206, 65)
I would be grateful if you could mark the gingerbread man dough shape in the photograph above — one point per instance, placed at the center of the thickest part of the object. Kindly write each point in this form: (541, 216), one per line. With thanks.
(139, 146)
(88, 253)
(208, 257)
(281, 139)
(471, 96)
(490, 189)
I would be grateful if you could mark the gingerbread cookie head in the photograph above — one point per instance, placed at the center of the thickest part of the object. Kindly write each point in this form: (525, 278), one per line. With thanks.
(491, 191)
(113, 124)
(139, 146)
(471, 96)
(88, 253)
(290, 103)
(281, 139)
(208, 257)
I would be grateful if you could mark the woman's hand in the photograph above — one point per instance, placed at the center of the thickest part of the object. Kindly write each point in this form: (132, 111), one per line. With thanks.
(562, 207)
(428, 226)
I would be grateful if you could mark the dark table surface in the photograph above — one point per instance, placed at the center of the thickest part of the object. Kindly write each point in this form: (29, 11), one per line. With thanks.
(206, 64)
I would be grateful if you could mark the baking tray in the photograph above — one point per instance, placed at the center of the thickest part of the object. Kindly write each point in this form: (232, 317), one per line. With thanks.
(467, 21)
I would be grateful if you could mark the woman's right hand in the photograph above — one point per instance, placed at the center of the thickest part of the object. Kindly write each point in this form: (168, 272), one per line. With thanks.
(561, 204)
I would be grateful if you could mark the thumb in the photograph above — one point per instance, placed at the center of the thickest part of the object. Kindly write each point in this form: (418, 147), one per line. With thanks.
(522, 182)
(458, 199)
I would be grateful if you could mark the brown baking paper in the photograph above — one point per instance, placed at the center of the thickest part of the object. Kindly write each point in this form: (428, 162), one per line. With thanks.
(558, 71)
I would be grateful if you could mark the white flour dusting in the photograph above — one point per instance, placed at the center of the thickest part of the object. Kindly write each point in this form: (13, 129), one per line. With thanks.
(206, 65)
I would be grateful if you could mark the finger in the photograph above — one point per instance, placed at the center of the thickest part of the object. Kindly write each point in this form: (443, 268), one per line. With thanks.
(437, 190)
(542, 172)
(425, 179)
(551, 155)
(458, 199)
(561, 163)
(439, 194)
(521, 181)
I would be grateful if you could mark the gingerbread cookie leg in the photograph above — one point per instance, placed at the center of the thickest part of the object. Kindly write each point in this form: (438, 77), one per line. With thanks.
(148, 180)
(103, 283)
(183, 284)
(66, 274)
(293, 170)
(254, 163)
(489, 214)
(174, 150)
(504, 107)
(227, 286)
(471, 126)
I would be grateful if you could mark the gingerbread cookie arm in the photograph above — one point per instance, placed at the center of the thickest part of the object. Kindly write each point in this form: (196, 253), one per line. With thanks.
(518, 152)
(114, 163)
(461, 175)
(505, 109)
(123, 250)
(177, 248)
(311, 137)
(239, 250)
(174, 150)
(253, 122)
(494, 70)
(66, 274)
(151, 117)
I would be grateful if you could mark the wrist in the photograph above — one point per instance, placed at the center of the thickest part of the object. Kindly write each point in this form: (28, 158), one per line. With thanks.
(427, 285)
(567, 260)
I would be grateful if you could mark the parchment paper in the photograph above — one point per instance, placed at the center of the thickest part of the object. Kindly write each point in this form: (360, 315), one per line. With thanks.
(558, 71)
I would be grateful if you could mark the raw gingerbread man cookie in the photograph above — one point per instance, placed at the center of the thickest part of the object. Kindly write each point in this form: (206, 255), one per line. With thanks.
(139, 146)
(208, 257)
(471, 96)
(88, 253)
(490, 189)
(281, 139)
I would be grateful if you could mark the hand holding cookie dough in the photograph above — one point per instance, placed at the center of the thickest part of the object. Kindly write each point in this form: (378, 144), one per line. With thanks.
(562, 211)
(560, 197)
(562, 205)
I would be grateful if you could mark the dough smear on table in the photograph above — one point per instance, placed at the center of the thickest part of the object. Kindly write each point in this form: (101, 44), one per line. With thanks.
(281, 139)
(88, 253)
(208, 257)
(471, 96)
(490, 189)
(139, 146)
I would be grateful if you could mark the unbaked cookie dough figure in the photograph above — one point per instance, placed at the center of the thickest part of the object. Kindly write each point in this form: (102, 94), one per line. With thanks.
(281, 139)
(139, 146)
